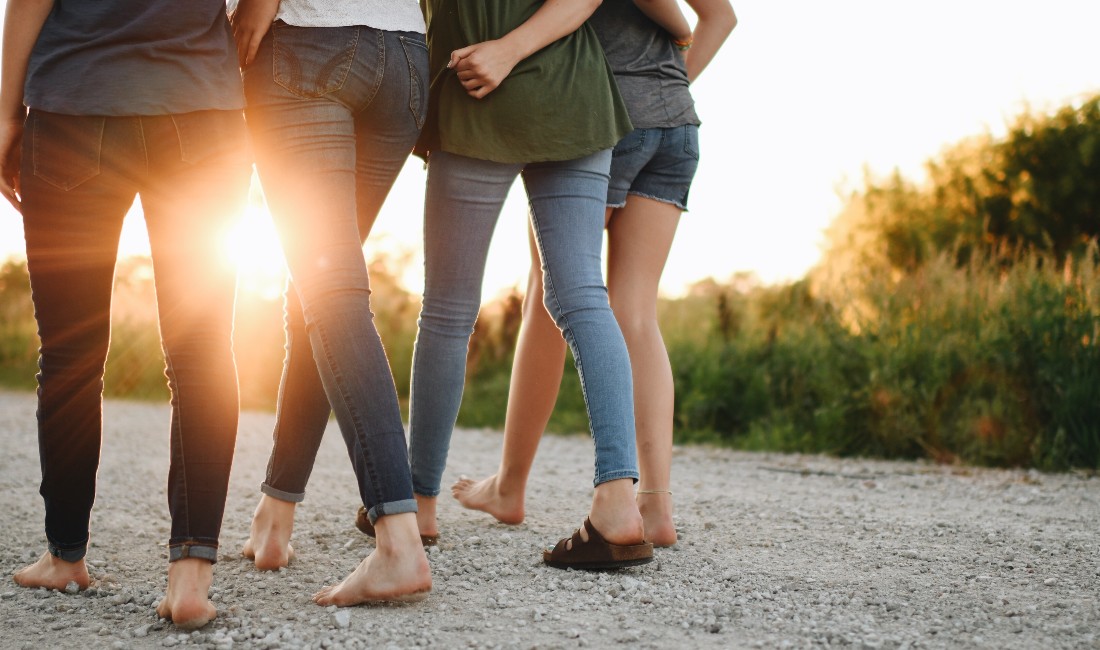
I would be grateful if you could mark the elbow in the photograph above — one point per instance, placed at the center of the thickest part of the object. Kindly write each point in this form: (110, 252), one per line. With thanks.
(727, 20)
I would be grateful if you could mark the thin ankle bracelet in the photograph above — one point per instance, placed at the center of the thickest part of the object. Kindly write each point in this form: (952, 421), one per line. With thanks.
(668, 492)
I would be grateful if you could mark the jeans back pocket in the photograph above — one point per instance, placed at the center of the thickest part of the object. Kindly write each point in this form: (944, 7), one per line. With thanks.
(65, 149)
(416, 51)
(313, 61)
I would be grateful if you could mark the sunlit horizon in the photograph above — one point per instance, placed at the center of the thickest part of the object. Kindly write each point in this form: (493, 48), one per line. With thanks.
(804, 98)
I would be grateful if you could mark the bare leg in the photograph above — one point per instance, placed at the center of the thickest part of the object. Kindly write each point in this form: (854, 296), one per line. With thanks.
(615, 513)
(268, 543)
(425, 515)
(396, 571)
(187, 602)
(536, 378)
(53, 573)
(639, 238)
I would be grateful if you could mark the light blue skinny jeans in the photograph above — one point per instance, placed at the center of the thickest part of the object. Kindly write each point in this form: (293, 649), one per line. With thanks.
(566, 201)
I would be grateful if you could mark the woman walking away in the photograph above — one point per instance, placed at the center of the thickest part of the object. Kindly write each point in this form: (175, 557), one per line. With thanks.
(522, 89)
(336, 97)
(128, 99)
(655, 55)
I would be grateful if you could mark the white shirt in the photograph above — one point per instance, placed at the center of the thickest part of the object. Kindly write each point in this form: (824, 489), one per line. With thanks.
(388, 15)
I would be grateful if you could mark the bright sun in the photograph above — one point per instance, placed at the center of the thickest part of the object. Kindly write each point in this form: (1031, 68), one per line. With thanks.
(253, 246)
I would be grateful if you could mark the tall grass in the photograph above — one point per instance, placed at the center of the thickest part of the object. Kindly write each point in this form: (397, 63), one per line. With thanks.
(990, 363)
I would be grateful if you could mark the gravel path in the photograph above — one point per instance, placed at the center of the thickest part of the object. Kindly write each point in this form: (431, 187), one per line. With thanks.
(775, 551)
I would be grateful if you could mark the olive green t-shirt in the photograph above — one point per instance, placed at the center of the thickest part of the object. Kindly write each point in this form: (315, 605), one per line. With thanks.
(560, 103)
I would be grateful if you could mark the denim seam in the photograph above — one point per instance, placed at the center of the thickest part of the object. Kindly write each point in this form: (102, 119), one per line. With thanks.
(177, 433)
(144, 145)
(358, 434)
(567, 331)
(272, 462)
(380, 76)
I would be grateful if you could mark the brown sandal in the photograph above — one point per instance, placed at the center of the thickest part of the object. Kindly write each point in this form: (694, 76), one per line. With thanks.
(597, 553)
(362, 522)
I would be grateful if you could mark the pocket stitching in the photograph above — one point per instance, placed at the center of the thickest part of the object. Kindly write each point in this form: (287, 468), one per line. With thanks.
(94, 168)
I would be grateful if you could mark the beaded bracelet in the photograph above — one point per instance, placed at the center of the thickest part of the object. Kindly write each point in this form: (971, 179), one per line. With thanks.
(684, 45)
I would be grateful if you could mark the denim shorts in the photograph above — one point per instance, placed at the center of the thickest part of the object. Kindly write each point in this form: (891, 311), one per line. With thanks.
(655, 163)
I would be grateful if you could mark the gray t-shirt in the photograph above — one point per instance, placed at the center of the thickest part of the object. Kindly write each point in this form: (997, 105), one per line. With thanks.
(648, 68)
(134, 57)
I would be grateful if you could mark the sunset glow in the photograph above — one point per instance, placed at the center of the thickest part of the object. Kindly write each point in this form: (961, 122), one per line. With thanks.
(802, 100)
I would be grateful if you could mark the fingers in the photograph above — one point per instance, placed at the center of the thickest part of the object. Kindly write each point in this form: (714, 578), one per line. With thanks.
(460, 54)
(11, 193)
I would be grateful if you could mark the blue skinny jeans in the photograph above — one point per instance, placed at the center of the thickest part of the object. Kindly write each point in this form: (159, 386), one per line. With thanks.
(334, 112)
(566, 201)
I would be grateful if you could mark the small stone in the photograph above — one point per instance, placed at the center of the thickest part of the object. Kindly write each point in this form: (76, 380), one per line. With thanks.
(714, 628)
(141, 632)
(169, 641)
(7, 595)
(342, 619)
(910, 554)
(1050, 582)
(72, 587)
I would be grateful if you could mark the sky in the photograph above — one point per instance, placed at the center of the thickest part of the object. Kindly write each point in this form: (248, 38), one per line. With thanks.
(803, 98)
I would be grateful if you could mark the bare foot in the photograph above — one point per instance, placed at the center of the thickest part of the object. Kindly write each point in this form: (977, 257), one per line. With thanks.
(615, 513)
(269, 542)
(53, 573)
(187, 603)
(485, 495)
(397, 570)
(425, 516)
(656, 509)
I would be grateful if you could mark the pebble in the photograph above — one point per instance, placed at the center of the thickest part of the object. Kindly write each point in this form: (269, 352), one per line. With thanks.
(815, 569)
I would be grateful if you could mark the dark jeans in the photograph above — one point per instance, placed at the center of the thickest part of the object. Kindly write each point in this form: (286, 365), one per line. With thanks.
(334, 112)
(80, 176)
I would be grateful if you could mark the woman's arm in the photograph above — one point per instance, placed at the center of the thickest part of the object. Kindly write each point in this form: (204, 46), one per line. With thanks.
(23, 21)
(667, 14)
(482, 67)
(250, 21)
(716, 21)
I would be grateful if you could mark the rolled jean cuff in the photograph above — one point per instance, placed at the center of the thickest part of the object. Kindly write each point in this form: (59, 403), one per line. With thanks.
(391, 508)
(192, 549)
(69, 553)
(613, 476)
(289, 497)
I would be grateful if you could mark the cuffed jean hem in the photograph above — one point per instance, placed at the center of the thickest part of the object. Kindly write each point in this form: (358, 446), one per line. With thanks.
(431, 494)
(190, 549)
(289, 497)
(391, 508)
(614, 476)
(69, 553)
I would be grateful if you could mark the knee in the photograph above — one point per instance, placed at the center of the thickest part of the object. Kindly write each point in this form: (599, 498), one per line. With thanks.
(636, 324)
(448, 316)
